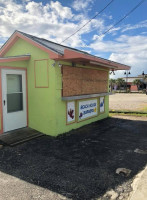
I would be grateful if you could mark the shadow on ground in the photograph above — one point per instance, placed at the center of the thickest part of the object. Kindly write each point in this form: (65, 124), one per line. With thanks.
(80, 164)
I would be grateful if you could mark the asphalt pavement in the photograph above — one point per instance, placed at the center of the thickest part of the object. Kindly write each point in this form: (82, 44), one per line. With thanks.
(79, 165)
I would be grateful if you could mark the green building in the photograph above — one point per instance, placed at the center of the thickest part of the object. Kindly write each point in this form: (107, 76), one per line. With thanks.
(50, 87)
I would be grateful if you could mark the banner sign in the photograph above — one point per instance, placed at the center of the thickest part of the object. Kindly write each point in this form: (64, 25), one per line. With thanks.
(87, 109)
(70, 111)
(102, 104)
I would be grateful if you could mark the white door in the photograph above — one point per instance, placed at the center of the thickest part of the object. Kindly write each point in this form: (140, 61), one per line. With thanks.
(14, 99)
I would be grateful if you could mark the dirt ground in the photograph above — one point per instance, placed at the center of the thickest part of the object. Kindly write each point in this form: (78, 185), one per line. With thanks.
(132, 102)
(79, 165)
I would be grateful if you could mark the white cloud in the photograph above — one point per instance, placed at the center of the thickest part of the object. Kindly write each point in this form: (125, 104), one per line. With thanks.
(142, 24)
(63, 12)
(122, 44)
(56, 22)
(51, 21)
(82, 4)
(137, 62)
(98, 38)
(129, 50)
(122, 29)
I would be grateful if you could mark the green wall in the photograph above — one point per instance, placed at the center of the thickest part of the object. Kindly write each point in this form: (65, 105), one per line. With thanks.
(60, 110)
(41, 101)
(47, 111)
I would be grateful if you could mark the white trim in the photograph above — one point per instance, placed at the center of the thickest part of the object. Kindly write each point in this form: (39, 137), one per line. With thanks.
(19, 56)
(14, 120)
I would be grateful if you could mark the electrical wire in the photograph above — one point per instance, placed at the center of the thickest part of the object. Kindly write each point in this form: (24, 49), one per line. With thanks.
(132, 10)
(105, 32)
(87, 22)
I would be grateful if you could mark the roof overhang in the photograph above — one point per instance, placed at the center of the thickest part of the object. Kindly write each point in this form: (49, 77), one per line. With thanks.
(71, 55)
(83, 58)
(15, 58)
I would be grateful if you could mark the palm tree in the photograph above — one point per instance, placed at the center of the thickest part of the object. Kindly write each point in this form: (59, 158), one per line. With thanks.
(137, 82)
(120, 82)
(112, 83)
(145, 79)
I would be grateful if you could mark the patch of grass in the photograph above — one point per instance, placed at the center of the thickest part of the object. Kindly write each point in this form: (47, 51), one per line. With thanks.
(139, 113)
(128, 114)
(144, 109)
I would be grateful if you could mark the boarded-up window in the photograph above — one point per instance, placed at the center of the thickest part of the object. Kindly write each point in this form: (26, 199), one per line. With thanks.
(41, 73)
(80, 81)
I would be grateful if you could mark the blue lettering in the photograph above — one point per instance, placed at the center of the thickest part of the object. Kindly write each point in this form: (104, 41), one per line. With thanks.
(88, 111)
(88, 105)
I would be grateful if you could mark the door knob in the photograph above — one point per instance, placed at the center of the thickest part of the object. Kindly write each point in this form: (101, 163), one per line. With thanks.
(4, 102)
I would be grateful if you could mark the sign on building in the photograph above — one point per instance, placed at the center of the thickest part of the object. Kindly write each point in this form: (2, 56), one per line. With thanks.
(102, 104)
(87, 109)
(70, 112)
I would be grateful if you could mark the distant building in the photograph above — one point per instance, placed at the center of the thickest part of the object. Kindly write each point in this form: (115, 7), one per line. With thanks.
(131, 86)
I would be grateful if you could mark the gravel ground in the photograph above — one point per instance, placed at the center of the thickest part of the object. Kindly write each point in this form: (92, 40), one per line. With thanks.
(132, 102)
(79, 165)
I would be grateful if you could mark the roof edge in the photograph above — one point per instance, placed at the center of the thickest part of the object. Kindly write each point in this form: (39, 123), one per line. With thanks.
(15, 58)
(16, 35)
(69, 53)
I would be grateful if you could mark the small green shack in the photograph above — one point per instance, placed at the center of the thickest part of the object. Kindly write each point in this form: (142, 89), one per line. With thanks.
(50, 87)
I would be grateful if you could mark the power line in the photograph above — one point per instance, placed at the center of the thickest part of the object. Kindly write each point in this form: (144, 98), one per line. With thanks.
(105, 32)
(132, 10)
(87, 22)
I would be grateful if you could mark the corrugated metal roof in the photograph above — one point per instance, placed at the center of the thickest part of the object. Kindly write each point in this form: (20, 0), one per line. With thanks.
(58, 48)
(52, 45)
(46, 43)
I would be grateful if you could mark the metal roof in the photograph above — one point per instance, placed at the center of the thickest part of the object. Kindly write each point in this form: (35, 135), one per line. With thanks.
(52, 45)
(61, 52)
(58, 48)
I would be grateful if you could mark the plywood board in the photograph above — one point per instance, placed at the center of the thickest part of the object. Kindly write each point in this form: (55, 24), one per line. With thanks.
(80, 81)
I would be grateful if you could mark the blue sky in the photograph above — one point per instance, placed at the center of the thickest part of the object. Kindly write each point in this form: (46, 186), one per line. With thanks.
(56, 20)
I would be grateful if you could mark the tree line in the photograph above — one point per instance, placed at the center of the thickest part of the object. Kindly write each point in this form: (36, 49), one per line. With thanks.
(120, 82)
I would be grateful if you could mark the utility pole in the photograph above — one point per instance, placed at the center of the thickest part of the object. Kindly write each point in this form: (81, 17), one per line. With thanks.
(143, 74)
(127, 73)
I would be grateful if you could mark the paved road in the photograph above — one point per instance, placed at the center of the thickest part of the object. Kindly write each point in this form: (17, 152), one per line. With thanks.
(132, 102)
(79, 165)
